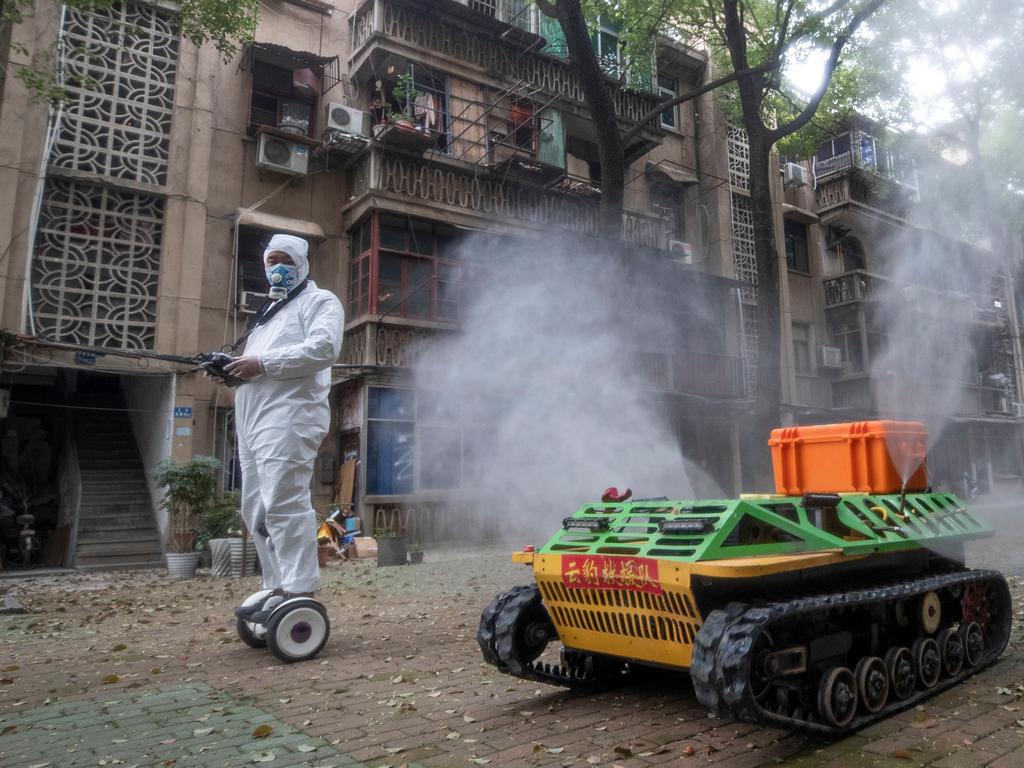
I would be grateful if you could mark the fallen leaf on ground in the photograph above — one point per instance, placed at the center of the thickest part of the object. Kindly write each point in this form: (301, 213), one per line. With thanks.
(262, 731)
(110, 679)
(307, 748)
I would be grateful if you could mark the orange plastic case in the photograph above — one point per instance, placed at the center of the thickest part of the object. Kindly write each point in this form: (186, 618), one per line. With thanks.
(857, 457)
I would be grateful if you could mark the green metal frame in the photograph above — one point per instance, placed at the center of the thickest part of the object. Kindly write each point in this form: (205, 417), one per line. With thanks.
(870, 523)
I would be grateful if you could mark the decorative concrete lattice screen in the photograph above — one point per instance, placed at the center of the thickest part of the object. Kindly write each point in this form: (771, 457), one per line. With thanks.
(120, 65)
(739, 157)
(745, 264)
(97, 249)
(96, 266)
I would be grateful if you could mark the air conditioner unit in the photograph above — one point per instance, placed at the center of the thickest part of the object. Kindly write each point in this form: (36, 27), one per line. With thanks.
(1018, 410)
(249, 302)
(338, 117)
(681, 250)
(282, 156)
(795, 173)
(830, 357)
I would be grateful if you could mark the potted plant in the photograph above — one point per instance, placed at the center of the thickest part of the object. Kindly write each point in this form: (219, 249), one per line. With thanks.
(415, 553)
(405, 94)
(189, 490)
(391, 548)
(218, 525)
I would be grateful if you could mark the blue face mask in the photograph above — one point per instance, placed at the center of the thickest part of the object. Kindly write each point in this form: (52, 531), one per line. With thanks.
(282, 278)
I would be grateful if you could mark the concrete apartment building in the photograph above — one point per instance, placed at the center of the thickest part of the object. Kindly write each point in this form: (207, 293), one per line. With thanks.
(136, 215)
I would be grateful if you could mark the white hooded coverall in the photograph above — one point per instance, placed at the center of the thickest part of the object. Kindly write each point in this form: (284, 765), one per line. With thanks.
(281, 417)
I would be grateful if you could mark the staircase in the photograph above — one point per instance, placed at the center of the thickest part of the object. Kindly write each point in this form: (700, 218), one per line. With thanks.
(116, 526)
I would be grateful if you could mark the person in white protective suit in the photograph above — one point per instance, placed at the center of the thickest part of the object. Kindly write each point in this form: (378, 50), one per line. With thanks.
(282, 415)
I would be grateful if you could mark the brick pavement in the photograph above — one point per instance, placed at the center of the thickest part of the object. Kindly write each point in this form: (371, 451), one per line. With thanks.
(106, 657)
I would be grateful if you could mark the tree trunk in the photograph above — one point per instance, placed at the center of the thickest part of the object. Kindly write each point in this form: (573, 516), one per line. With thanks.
(597, 94)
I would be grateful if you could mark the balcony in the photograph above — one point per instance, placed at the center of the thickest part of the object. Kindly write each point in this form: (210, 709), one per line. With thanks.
(406, 30)
(859, 286)
(694, 373)
(857, 393)
(894, 201)
(446, 185)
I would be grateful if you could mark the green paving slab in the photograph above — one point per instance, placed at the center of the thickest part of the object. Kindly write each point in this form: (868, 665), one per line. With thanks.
(188, 726)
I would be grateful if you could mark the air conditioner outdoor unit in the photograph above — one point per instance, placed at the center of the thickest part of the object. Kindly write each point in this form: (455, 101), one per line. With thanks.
(282, 156)
(830, 357)
(681, 250)
(249, 302)
(338, 117)
(1018, 410)
(795, 173)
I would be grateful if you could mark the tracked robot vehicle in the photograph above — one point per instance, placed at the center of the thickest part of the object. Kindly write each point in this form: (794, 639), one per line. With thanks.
(833, 603)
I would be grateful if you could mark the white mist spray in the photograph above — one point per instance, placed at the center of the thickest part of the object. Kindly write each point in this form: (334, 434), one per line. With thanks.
(543, 378)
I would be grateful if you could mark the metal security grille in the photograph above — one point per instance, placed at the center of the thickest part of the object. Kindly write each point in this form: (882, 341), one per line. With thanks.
(120, 65)
(96, 266)
(668, 618)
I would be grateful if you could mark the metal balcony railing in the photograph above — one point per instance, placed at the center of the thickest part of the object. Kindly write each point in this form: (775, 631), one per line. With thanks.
(861, 286)
(695, 373)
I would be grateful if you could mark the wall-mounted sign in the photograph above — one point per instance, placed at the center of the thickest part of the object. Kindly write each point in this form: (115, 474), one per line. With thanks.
(85, 358)
(183, 412)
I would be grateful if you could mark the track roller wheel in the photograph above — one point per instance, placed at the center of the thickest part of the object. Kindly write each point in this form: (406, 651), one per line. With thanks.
(872, 683)
(837, 697)
(900, 665)
(929, 613)
(927, 661)
(951, 646)
(974, 642)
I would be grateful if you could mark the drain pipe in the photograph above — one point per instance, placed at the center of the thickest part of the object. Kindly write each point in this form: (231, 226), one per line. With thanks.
(54, 115)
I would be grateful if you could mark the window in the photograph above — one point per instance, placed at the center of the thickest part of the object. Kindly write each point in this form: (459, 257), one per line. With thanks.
(667, 90)
(802, 349)
(418, 441)
(404, 267)
(868, 157)
(834, 147)
(282, 98)
(796, 247)
(605, 41)
(426, 106)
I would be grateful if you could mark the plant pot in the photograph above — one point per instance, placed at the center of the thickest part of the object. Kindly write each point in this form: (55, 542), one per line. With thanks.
(251, 558)
(182, 565)
(220, 557)
(323, 554)
(392, 550)
(415, 558)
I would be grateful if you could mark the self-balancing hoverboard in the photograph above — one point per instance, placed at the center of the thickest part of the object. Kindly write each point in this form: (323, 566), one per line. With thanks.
(295, 629)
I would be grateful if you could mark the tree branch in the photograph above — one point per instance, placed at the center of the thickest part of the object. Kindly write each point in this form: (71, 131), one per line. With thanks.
(548, 8)
(804, 117)
(682, 98)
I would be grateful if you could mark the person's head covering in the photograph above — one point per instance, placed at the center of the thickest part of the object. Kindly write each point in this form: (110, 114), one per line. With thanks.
(295, 247)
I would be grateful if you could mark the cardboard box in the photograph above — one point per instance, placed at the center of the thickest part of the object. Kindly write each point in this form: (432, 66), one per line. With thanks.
(364, 546)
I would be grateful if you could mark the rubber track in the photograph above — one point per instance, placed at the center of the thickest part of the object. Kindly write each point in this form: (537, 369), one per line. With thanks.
(721, 660)
(496, 639)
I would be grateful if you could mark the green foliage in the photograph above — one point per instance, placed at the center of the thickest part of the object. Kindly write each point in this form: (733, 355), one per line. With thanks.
(226, 24)
(221, 519)
(190, 491)
(404, 93)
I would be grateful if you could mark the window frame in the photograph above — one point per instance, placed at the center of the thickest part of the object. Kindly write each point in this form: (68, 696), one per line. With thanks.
(806, 342)
(440, 260)
(421, 423)
(280, 96)
(788, 237)
(669, 92)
